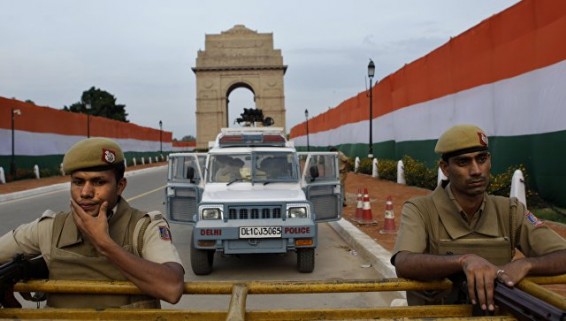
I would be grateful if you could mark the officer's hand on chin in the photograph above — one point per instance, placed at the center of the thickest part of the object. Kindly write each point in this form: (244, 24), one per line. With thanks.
(95, 228)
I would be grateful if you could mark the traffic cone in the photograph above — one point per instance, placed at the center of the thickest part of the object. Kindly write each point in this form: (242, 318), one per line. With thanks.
(359, 207)
(389, 224)
(367, 217)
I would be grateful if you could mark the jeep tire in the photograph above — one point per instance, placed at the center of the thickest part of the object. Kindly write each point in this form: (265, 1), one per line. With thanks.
(305, 260)
(201, 260)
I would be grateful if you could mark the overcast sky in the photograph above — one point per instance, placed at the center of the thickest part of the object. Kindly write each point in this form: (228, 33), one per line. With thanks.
(142, 51)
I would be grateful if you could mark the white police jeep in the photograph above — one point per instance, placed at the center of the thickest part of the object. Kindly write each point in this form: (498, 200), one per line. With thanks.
(253, 193)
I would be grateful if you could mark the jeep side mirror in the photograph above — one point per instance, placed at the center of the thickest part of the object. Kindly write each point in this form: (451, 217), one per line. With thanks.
(313, 170)
(190, 173)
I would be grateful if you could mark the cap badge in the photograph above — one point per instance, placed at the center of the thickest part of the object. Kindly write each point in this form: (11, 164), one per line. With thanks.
(483, 138)
(108, 156)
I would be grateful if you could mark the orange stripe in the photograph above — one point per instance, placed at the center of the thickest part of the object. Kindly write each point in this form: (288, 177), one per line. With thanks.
(41, 119)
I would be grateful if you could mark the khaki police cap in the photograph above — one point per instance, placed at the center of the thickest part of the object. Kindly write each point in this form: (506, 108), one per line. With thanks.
(92, 152)
(461, 139)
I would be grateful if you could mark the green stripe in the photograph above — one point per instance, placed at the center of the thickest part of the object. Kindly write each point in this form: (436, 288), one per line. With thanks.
(541, 154)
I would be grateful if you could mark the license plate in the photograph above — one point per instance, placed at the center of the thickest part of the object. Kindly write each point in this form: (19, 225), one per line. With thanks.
(254, 232)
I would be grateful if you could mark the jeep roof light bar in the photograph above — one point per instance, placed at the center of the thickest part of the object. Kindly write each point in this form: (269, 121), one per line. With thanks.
(231, 137)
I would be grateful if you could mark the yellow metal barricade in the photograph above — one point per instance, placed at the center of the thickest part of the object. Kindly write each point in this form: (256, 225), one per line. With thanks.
(239, 292)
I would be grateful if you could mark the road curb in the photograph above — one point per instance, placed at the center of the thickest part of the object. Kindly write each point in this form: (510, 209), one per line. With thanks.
(365, 246)
(377, 256)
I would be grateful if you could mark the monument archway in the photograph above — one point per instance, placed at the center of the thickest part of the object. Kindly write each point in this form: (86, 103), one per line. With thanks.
(237, 58)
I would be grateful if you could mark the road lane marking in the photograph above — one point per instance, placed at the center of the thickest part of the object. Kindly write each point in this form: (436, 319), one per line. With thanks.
(31, 196)
(146, 193)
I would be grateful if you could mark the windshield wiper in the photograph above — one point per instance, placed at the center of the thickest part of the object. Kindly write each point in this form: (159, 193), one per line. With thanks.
(279, 180)
(240, 179)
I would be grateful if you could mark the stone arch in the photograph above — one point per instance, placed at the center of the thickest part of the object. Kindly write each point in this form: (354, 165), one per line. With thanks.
(233, 59)
(233, 87)
(240, 84)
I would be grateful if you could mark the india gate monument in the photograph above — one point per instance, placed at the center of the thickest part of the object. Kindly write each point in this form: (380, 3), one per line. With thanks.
(237, 58)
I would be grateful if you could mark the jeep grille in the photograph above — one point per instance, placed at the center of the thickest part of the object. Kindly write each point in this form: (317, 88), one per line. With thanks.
(253, 213)
(183, 207)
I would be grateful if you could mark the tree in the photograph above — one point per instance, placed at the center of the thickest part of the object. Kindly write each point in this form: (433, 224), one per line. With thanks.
(101, 103)
(188, 138)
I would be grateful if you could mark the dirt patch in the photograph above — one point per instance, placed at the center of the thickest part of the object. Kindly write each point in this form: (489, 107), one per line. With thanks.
(378, 191)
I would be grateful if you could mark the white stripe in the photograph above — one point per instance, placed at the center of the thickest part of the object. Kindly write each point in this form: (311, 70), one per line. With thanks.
(531, 103)
(34, 144)
(43, 144)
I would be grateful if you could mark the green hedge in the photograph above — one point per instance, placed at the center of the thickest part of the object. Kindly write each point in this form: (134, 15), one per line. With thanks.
(418, 174)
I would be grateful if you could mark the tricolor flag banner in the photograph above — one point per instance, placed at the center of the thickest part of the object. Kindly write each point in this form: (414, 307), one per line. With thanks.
(43, 134)
(507, 75)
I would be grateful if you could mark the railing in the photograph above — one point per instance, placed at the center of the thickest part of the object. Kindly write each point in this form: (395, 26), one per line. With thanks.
(240, 290)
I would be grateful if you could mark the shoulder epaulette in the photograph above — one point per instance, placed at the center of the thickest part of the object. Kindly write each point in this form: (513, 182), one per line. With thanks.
(47, 214)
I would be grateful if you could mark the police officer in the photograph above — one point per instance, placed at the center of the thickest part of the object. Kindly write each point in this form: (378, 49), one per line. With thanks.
(460, 230)
(229, 170)
(101, 237)
(343, 167)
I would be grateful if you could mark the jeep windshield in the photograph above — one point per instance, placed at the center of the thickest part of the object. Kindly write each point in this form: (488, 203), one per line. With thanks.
(256, 166)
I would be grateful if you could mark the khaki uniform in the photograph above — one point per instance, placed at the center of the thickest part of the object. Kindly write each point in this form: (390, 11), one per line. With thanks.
(436, 224)
(343, 169)
(227, 173)
(70, 257)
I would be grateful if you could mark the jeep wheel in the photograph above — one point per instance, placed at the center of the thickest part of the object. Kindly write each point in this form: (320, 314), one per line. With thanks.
(201, 260)
(305, 260)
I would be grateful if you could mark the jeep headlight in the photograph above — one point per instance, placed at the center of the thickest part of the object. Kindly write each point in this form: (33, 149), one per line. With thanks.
(297, 212)
(210, 214)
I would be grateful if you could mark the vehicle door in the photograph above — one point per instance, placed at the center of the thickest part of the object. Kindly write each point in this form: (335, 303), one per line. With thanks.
(185, 184)
(321, 184)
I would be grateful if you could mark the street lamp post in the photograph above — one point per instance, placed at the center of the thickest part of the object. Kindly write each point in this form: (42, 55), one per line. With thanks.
(160, 137)
(371, 72)
(88, 106)
(14, 113)
(307, 117)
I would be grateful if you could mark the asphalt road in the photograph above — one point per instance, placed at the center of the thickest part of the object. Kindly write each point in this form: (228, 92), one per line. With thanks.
(335, 258)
